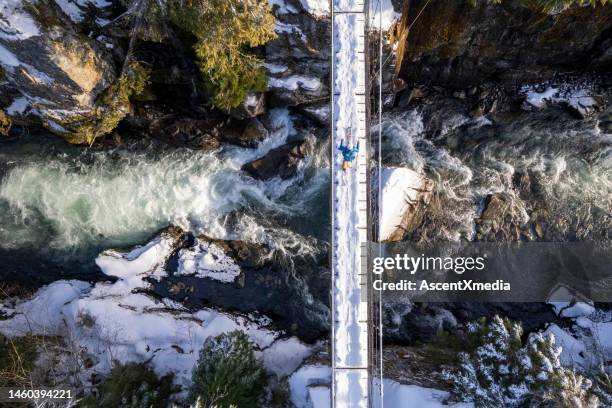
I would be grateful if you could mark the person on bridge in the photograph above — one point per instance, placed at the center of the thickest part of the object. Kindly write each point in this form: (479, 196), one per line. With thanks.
(348, 153)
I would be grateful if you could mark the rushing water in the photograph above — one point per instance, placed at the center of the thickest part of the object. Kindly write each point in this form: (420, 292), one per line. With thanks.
(61, 204)
(569, 161)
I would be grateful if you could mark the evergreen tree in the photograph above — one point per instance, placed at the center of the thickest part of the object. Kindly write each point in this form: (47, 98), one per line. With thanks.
(498, 370)
(132, 386)
(227, 374)
(225, 30)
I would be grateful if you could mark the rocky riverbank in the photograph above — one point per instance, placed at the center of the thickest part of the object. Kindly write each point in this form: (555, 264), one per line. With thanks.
(500, 130)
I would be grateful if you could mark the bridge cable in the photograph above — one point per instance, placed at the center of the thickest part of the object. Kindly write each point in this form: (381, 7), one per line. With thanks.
(380, 84)
(375, 391)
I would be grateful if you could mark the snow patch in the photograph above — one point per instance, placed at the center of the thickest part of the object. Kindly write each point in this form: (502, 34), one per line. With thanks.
(41, 314)
(573, 351)
(7, 58)
(9, 61)
(56, 126)
(320, 112)
(304, 378)
(15, 22)
(18, 106)
(281, 27)
(579, 309)
(294, 82)
(320, 396)
(75, 9)
(275, 68)
(285, 355)
(581, 99)
(412, 396)
(316, 8)
(207, 260)
(134, 266)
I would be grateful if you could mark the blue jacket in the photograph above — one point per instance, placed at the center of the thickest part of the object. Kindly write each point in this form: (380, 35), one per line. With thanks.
(347, 153)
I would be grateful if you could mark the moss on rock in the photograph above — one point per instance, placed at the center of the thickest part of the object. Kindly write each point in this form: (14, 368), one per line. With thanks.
(5, 123)
(111, 106)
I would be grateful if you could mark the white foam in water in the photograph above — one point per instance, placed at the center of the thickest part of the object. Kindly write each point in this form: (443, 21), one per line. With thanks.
(405, 145)
(573, 187)
(123, 200)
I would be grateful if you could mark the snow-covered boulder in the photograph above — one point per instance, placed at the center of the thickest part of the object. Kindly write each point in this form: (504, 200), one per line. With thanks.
(582, 100)
(404, 197)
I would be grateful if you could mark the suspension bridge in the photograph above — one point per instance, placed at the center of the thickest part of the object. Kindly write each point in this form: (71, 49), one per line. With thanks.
(352, 331)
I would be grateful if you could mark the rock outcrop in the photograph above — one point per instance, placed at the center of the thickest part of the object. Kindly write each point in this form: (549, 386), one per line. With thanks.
(52, 69)
(459, 44)
(405, 196)
(250, 278)
(282, 161)
(504, 218)
(298, 60)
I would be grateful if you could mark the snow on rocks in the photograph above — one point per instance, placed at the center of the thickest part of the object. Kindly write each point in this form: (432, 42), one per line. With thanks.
(207, 260)
(299, 56)
(413, 396)
(588, 342)
(294, 89)
(320, 112)
(578, 309)
(294, 82)
(404, 193)
(284, 356)
(316, 8)
(55, 67)
(252, 106)
(306, 378)
(15, 22)
(275, 68)
(120, 321)
(18, 107)
(580, 99)
(76, 9)
(309, 387)
(281, 27)
(573, 350)
(39, 315)
(10, 63)
(283, 7)
(599, 326)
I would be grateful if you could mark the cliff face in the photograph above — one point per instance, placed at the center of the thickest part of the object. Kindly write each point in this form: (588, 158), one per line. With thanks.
(61, 60)
(52, 70)
(462, 43)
